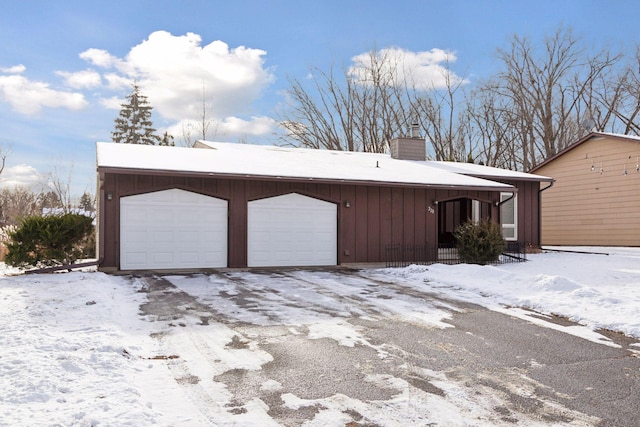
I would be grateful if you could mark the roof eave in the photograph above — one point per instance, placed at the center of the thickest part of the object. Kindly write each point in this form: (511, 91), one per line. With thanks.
(196, 174)
(538, 178)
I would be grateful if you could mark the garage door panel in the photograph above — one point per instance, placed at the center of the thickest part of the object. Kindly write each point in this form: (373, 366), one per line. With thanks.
(137, 258)
(136, 217)
(160, 237)
(173, 229)
(137, 236)
(161, 217)
(191, 216)
(292, 230)
(162, 258)
(187, 257)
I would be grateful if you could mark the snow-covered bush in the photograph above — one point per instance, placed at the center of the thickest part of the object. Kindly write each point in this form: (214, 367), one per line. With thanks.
(479, 243)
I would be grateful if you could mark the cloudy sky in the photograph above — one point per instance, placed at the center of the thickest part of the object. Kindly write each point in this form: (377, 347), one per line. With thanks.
(66, 66)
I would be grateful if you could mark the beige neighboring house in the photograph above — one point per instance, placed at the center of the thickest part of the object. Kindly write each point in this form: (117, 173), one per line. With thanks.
(595, 200)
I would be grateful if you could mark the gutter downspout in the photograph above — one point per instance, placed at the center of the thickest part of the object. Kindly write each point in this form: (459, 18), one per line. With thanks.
(540, 209)
(513, 194)
(101, 215)
(547, 187)
(499, 204)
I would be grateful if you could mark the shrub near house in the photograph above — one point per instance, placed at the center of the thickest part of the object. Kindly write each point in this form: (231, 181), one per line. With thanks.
(49, 240)
(479, 243)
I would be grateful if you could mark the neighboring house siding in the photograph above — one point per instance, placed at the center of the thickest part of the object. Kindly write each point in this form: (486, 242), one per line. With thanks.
(586, 207)
(376, 216)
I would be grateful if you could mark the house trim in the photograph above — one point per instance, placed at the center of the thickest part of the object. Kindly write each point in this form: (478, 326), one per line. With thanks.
(188, 174)
(592, 135)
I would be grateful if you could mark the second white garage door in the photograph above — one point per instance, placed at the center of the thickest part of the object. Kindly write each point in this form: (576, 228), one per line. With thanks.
(291, 230)
(172, 229)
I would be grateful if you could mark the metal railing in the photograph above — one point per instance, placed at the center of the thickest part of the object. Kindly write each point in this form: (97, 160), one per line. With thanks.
(404, 255)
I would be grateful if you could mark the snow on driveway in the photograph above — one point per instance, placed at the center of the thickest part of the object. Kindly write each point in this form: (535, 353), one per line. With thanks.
(77, 349)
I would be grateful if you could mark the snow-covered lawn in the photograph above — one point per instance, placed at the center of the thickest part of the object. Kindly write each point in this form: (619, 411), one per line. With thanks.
(75, 350)
(600, 289)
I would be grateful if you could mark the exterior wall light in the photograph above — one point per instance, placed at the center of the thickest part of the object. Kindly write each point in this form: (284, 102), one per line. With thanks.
(347, 204)
(109, 196)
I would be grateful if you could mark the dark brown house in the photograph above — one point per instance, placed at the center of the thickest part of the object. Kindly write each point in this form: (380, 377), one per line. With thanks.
(232, 205)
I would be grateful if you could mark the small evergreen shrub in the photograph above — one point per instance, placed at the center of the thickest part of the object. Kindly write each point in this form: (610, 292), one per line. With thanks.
(49, 240)
(88, 245)
(479, 243)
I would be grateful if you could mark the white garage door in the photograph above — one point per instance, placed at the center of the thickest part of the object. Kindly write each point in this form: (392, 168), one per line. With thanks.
(172, 229)
(291, 230)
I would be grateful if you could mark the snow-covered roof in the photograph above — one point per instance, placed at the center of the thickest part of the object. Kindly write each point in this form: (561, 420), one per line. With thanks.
(242, 160)
(618, 135)
(488, 172)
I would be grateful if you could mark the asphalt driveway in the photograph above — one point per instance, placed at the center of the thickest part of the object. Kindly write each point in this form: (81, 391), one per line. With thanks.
(347, 348)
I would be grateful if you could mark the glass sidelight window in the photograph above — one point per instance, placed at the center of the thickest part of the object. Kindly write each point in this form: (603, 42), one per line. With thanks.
(509, 215)
(476, 211)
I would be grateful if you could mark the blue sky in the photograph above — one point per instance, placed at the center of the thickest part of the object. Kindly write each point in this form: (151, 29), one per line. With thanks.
(66, 65)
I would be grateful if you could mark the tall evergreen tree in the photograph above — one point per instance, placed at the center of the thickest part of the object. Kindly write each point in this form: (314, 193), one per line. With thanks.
(133, 125)
(87, 202)
(167, 140)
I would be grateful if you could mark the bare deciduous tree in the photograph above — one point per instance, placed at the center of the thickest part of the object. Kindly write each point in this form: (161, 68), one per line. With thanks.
(491, 135)
(3, 159)
(60, 186)
(360, 110)
(18, 202)
(545, 97)
(544, 89)
(613, 100)
(441, 114)
(204, 128)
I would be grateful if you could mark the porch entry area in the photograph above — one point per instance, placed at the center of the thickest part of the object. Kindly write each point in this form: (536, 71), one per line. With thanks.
(454, 213)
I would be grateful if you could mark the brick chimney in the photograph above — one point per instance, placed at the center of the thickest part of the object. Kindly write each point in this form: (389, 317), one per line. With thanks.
(412, 147)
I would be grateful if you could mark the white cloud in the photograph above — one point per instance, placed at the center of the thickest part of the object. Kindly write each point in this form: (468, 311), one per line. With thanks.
(227, 129)
(81, 79)
(425, 70)
(20, 176)
(255, 127)
(99, 57)
(29, 97)
(117, 82)
(176, 73)
(16, 69)
(113, 103)
(172, 71)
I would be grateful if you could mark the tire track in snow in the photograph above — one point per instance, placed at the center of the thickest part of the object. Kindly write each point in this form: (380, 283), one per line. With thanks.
(200, 350)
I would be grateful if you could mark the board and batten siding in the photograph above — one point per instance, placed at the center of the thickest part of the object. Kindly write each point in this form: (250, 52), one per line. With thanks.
(588, 207)
(375, 216)
(528, 211)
